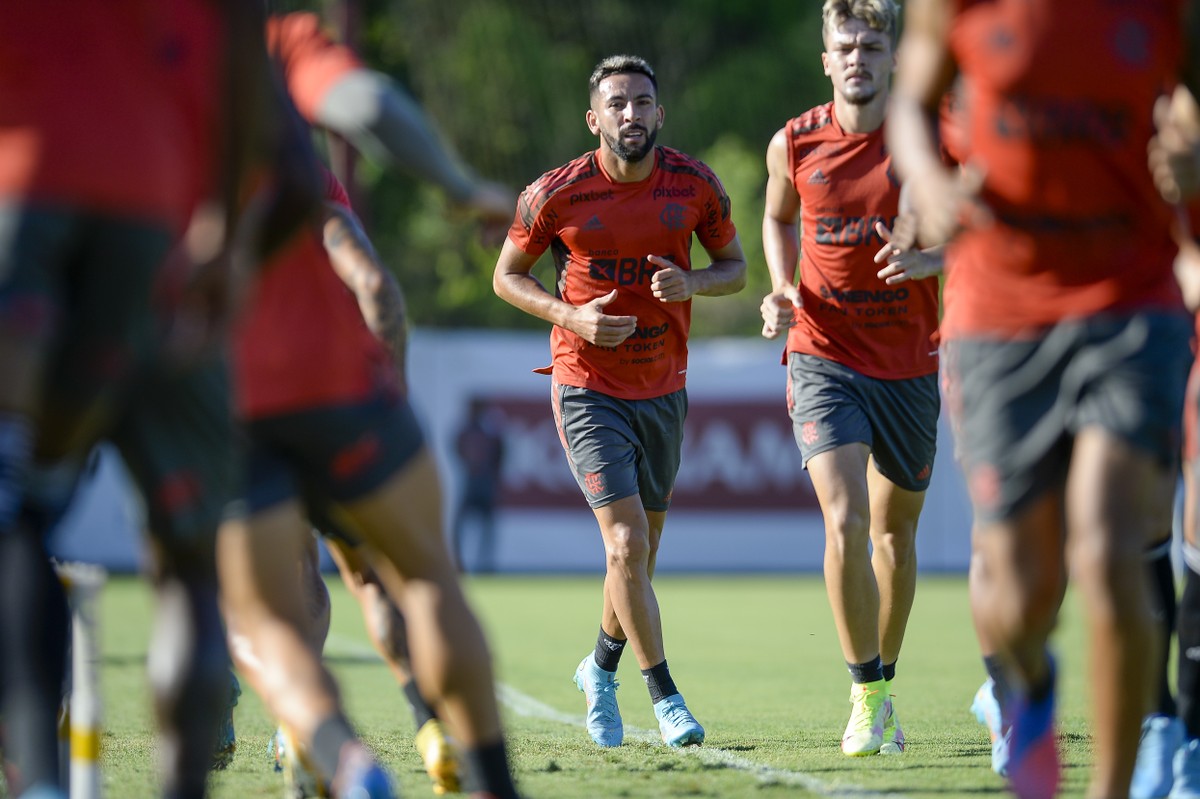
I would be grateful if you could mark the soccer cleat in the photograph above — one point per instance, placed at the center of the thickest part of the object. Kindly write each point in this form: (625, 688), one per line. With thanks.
(676, 723)
(1152, 775)
(871, 706)
(1033, 765)
(987, 712)
(441, 762)
(227, 742)
(300, 780)
(359, 776)
(1187, 771)
(600, 691)
(893, 735)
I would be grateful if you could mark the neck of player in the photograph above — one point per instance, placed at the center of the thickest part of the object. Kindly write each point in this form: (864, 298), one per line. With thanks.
(861, 118)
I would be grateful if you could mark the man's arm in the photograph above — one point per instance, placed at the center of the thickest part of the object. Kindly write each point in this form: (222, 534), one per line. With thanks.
(781, 239)
(942, 199)
(379, 296)
(514, 283)
(725, 275)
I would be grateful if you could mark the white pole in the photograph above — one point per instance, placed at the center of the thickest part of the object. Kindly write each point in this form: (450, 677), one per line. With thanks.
(84, 582)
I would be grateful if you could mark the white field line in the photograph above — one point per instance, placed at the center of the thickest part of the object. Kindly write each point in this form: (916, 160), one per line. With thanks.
(525, 705)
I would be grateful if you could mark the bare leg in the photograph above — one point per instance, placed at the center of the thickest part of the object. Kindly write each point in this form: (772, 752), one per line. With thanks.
(609, 621)
(894, 513)
(840, 479)
(1111, 494)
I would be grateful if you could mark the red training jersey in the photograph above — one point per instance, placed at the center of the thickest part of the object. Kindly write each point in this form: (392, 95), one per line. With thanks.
(105, 104)
(1061, 134)
(301, 342)
(311, 61)
(849, 315)
(600, 232)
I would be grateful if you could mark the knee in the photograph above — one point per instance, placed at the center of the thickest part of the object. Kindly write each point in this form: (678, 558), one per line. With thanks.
(899, 547)
(847, 528)
(627, 546)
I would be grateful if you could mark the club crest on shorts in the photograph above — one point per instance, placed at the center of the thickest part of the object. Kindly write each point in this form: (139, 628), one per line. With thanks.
(808, 433)
(594, 483)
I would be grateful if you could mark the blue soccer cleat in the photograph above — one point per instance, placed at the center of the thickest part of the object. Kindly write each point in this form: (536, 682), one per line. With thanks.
(1187, 771)
(1033, 765)
(676, 723)
(361, 777)
(600, 691)
(1152, 774)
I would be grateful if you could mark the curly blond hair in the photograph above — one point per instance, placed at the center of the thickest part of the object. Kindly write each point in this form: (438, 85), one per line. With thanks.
(881, 15)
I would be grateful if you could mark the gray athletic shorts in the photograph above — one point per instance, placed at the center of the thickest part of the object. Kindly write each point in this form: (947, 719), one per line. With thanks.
(1016, 406)
(832, 405)
(618, 448)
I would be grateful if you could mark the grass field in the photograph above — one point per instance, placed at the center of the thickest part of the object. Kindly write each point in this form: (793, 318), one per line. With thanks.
(755, 656)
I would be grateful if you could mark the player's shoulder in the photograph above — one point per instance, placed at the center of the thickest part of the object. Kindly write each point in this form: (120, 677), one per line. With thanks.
(813, 122)
(557, 180)
(682, 165)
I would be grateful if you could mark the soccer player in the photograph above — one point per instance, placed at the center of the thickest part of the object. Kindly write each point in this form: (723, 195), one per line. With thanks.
(1065, 337)
(330, 440)
(619, 221)
(862, 362)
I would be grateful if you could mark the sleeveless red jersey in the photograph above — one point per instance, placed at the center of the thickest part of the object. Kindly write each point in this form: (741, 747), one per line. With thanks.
(1061, 134)
(311, 61)
(600, 232)
(849, 315)
(105, 105)
(302, 342)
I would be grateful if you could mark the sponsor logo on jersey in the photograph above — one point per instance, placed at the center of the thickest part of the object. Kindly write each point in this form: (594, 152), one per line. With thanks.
(818, 178)
(852, 231)
(593, 224)
(863, 295)
(1062, 120)
(591, 196)
(673, 193)
(623, 272)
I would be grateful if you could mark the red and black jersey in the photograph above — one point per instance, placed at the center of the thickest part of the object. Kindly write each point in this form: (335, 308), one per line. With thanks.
(1061, 133)
(600, 232)
(849, 315)
(110, 105)
(302, 342)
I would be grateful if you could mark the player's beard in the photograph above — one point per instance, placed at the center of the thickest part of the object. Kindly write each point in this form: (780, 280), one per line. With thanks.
(860, 95)
(627, 153)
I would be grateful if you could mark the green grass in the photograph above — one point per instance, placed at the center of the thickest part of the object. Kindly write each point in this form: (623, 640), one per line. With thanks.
(756, 657)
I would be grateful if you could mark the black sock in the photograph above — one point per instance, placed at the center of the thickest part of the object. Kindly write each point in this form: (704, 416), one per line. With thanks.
(658, 680)
(608, 651)
(871, 671)
(34, 623)
(1163, 605)
(1000, 680)
(1189, 650)
(421, 710)
(889, 671)
(487, 770)
(332, 734)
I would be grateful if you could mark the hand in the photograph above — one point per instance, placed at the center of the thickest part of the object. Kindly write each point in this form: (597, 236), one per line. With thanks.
(494, 204)
(1174, 152)
(945, 202)
(904, 261)
(1187, 273)
(779, 309)
(670, 283)
(591, 323)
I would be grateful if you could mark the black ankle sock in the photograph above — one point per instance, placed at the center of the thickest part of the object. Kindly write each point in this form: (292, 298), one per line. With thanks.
(871, 671)
(1164, 607)
(608, 651)
(331, 735)
(1189, 653)
(421, 710)
(1000, 680)
(889, 671)
(659, 682)
(487, 770)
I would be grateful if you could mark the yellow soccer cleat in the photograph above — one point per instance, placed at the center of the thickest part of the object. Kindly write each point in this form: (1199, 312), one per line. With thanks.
(893, 735)
(439, 756)
(300, 780)
(864, 731)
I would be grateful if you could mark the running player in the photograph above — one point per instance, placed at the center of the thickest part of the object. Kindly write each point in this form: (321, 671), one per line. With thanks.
(620, 222)
(1066, 342)
(330, 440)
(861, 355)
(103, 157)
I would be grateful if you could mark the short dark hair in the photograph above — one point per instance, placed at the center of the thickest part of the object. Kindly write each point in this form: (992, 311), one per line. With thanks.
(620, 65)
